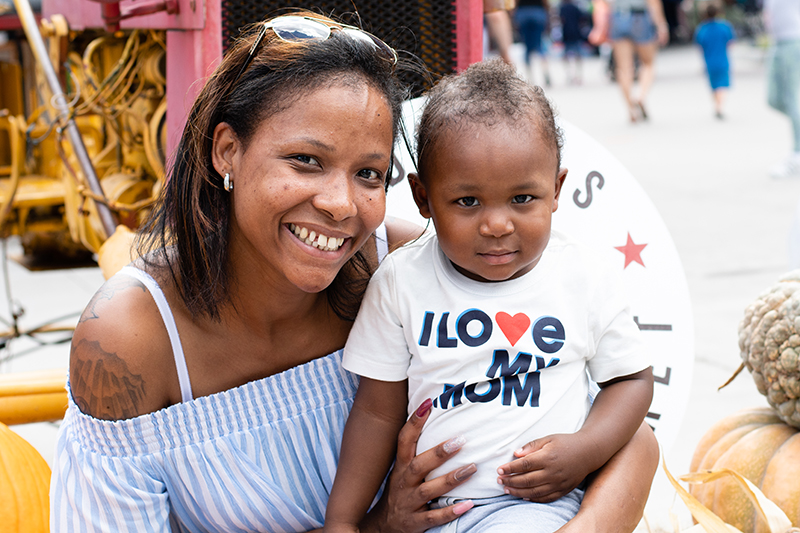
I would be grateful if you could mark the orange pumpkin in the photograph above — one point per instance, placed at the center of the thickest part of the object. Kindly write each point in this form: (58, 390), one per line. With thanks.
(24, 485)
(757, 445)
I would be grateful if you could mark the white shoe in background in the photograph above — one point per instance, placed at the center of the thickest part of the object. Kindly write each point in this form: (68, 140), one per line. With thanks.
(789, 168)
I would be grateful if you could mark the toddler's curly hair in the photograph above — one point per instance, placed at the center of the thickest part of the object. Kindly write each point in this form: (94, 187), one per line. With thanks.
(487, 93)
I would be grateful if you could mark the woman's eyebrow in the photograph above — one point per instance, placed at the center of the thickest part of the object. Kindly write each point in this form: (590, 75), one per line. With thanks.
(328, 148)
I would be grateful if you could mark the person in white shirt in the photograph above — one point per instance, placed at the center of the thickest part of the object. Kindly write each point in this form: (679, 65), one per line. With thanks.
(782, 19)
(492, 324)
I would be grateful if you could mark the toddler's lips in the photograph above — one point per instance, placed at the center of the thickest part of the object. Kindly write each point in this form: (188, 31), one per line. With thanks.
(498, 257)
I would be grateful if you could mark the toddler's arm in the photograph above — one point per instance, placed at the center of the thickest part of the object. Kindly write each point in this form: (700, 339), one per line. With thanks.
(550, 467)
(368, 449)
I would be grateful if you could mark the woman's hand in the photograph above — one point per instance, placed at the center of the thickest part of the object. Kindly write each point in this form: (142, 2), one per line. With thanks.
(600, 23)
(404, 504)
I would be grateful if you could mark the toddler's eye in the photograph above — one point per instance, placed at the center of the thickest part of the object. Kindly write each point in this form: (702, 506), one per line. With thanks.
(467, 201)
(370, 175)
(522, 198)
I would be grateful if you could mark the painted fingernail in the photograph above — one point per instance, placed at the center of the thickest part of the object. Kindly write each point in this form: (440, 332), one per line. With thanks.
(423, 409)
(454, 444)
(465, 471)
(462, 507)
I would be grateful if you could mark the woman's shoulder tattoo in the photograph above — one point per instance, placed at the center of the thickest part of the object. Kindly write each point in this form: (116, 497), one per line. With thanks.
(103, 385)
(111, 288)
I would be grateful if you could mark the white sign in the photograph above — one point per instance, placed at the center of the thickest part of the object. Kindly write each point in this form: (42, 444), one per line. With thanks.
(603, 205)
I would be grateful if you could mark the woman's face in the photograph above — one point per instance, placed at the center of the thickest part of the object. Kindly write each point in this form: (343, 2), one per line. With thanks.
(308, 191)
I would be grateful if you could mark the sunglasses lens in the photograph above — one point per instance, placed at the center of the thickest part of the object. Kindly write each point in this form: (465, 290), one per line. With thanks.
(298, 29)
(370, 39)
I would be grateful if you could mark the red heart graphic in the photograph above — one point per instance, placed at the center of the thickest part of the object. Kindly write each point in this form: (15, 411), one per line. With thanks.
(513, 326)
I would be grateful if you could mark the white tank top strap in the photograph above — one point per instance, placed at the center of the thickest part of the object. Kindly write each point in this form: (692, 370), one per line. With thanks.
(169, 322)
(381, 241)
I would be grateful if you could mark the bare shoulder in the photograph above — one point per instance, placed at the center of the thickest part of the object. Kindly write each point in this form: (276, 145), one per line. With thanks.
(400, 231)
(119, 358)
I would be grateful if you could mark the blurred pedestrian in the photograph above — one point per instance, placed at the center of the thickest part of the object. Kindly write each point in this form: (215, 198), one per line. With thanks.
(714, 35)
(782, 18)
(533, 19)
(634, 26)
(672, 16)
(498, 24)
(571, 16)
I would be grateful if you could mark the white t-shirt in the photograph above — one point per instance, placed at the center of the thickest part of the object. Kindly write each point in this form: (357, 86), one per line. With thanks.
(504, 362)
(782, 18)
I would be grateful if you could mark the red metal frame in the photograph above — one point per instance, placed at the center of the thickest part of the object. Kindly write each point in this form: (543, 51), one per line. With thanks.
(85, 14)
(12, 22)
(469, 32)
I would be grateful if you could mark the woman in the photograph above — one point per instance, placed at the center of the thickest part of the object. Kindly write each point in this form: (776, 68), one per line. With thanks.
(635, 27)
(201, 395)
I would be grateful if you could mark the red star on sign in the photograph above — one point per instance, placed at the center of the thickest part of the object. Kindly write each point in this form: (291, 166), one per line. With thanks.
(632, 251)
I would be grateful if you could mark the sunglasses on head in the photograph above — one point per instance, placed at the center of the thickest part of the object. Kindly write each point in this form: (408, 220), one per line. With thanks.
(294, 28)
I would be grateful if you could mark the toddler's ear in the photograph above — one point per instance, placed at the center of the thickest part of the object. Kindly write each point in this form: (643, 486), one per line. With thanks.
(420, 194)
(562, 175)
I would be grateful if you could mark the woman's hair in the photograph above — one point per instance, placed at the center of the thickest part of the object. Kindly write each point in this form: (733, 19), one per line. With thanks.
(487, 93)
(187, 232)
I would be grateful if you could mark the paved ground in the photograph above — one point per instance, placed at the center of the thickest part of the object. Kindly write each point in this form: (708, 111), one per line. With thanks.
(708, 179)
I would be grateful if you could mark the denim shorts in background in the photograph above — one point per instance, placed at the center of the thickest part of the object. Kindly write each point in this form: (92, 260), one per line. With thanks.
(636, 26)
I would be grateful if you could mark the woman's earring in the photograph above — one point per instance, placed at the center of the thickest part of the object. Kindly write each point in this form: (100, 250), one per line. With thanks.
(227, 182)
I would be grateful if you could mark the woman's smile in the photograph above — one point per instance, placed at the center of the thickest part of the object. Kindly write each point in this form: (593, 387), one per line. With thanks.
(317, 240)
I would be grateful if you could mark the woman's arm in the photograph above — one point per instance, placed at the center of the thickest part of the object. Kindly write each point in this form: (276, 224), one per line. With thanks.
(400, 231)
(115, 371)
(368, 448)
(617, 493)
(600, 21)
(656, 10)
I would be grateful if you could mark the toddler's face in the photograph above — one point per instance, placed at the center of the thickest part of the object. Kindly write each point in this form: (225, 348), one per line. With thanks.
(491, 192)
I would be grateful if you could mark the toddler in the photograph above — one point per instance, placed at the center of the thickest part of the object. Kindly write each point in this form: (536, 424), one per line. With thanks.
(496, 319)
(714, 35)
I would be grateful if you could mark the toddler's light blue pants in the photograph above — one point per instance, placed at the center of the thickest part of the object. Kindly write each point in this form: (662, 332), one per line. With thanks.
(509, 514)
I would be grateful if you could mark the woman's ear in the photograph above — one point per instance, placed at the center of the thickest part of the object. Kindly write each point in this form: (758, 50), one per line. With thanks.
(224, 148)
(420, 194)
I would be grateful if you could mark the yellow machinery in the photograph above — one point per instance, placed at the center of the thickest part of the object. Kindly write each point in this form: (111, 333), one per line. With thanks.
(115, 84)
(114, 94)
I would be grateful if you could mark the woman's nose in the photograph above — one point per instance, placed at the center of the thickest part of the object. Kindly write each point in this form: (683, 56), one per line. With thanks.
(496, 223)
(336, 198)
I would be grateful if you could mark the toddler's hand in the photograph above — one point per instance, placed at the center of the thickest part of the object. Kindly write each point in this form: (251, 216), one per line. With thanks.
(547, 468)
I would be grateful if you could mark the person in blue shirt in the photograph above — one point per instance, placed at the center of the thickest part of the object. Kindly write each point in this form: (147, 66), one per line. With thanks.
(713, 36)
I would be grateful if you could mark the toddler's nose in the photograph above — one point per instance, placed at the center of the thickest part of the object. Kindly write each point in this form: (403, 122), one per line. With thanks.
(496, 224)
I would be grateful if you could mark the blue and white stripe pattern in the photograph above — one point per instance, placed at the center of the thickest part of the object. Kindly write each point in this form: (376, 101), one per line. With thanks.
(260, 457)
